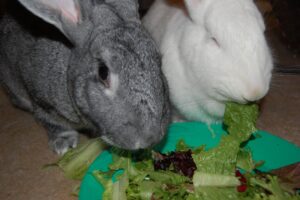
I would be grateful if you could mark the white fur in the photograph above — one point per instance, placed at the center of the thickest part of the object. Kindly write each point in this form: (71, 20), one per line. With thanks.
(64, 141)
(213, 51)
(114, 84)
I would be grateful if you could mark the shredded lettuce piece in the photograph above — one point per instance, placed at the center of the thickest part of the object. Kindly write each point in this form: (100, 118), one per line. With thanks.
(105, 178)
(141, 190)
(76, 190)
(240, 122)
(215, 193)
(220, 160)
(272, 185)
(76, 161)
(172, 192)
(216, 167)
(217, 180)
(167, 177)
(119, 188)
(114, 190)
(182, 146)
(245, 161)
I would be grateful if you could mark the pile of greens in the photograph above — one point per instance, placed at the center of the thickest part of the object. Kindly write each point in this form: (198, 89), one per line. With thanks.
(216, 177)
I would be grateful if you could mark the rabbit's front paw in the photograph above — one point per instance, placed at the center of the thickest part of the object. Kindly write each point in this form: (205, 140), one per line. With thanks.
(63, 142)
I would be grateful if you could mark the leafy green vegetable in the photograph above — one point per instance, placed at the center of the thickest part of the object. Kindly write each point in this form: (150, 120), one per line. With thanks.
(219, 160)
(182, 146)
(215, 193)
(215, 177)
(171, 192)
(272, 185)
(142, 191)
(114, 190)
(119, 188)
(167, 177)
(240, 120)
(244, 160)
(76, 190)
(204, 179)
(76, 161)
(105, 178)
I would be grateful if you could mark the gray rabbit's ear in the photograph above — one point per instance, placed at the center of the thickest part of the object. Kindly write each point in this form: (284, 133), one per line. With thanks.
(64, 14)
(127, 9)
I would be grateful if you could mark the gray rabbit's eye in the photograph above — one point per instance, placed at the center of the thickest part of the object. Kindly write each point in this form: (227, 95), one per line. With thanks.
(103, 73)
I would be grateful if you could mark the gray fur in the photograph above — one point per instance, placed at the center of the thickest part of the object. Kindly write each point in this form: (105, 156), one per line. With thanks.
(54, 74)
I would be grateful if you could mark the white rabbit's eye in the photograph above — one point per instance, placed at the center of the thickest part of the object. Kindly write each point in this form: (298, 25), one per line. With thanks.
(215, 41)
(103, 72)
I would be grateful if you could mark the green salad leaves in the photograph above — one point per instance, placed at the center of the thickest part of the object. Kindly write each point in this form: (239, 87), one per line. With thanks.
(76, 161)
(217, 176)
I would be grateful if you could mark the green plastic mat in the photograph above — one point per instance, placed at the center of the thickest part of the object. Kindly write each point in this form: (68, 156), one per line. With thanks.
(275, 151)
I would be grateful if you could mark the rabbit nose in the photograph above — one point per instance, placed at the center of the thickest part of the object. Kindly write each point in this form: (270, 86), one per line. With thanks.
(141, 145)
(254, 94)
(138, 145)
(148, 141)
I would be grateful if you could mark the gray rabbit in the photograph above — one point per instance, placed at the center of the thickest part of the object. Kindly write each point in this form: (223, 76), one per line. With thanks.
(85, 65)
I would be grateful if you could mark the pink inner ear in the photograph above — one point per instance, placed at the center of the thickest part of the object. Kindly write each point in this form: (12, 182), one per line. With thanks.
(68, 9)
(71, 15)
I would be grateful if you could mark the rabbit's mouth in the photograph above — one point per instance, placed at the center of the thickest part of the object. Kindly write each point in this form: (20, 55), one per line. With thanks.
(241, 99)
(226, 96)
(134, 146)
(107, 140)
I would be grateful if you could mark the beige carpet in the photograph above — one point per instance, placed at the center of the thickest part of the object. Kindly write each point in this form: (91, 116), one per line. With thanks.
(23, 152)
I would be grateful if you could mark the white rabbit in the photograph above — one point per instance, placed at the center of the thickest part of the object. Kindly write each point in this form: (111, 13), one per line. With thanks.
(213, 51)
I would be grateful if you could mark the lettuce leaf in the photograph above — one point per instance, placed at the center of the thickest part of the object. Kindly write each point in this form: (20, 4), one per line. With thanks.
(245, 161)
(214, 178)
(240, 122)
(76, 161)
(114, 190)
(215, 193)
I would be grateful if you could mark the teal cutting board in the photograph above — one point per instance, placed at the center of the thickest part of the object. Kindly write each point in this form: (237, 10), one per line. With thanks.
(275, 151)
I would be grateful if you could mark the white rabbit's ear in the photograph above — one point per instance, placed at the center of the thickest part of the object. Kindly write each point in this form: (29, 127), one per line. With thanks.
(64, 14)
(193, 8)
